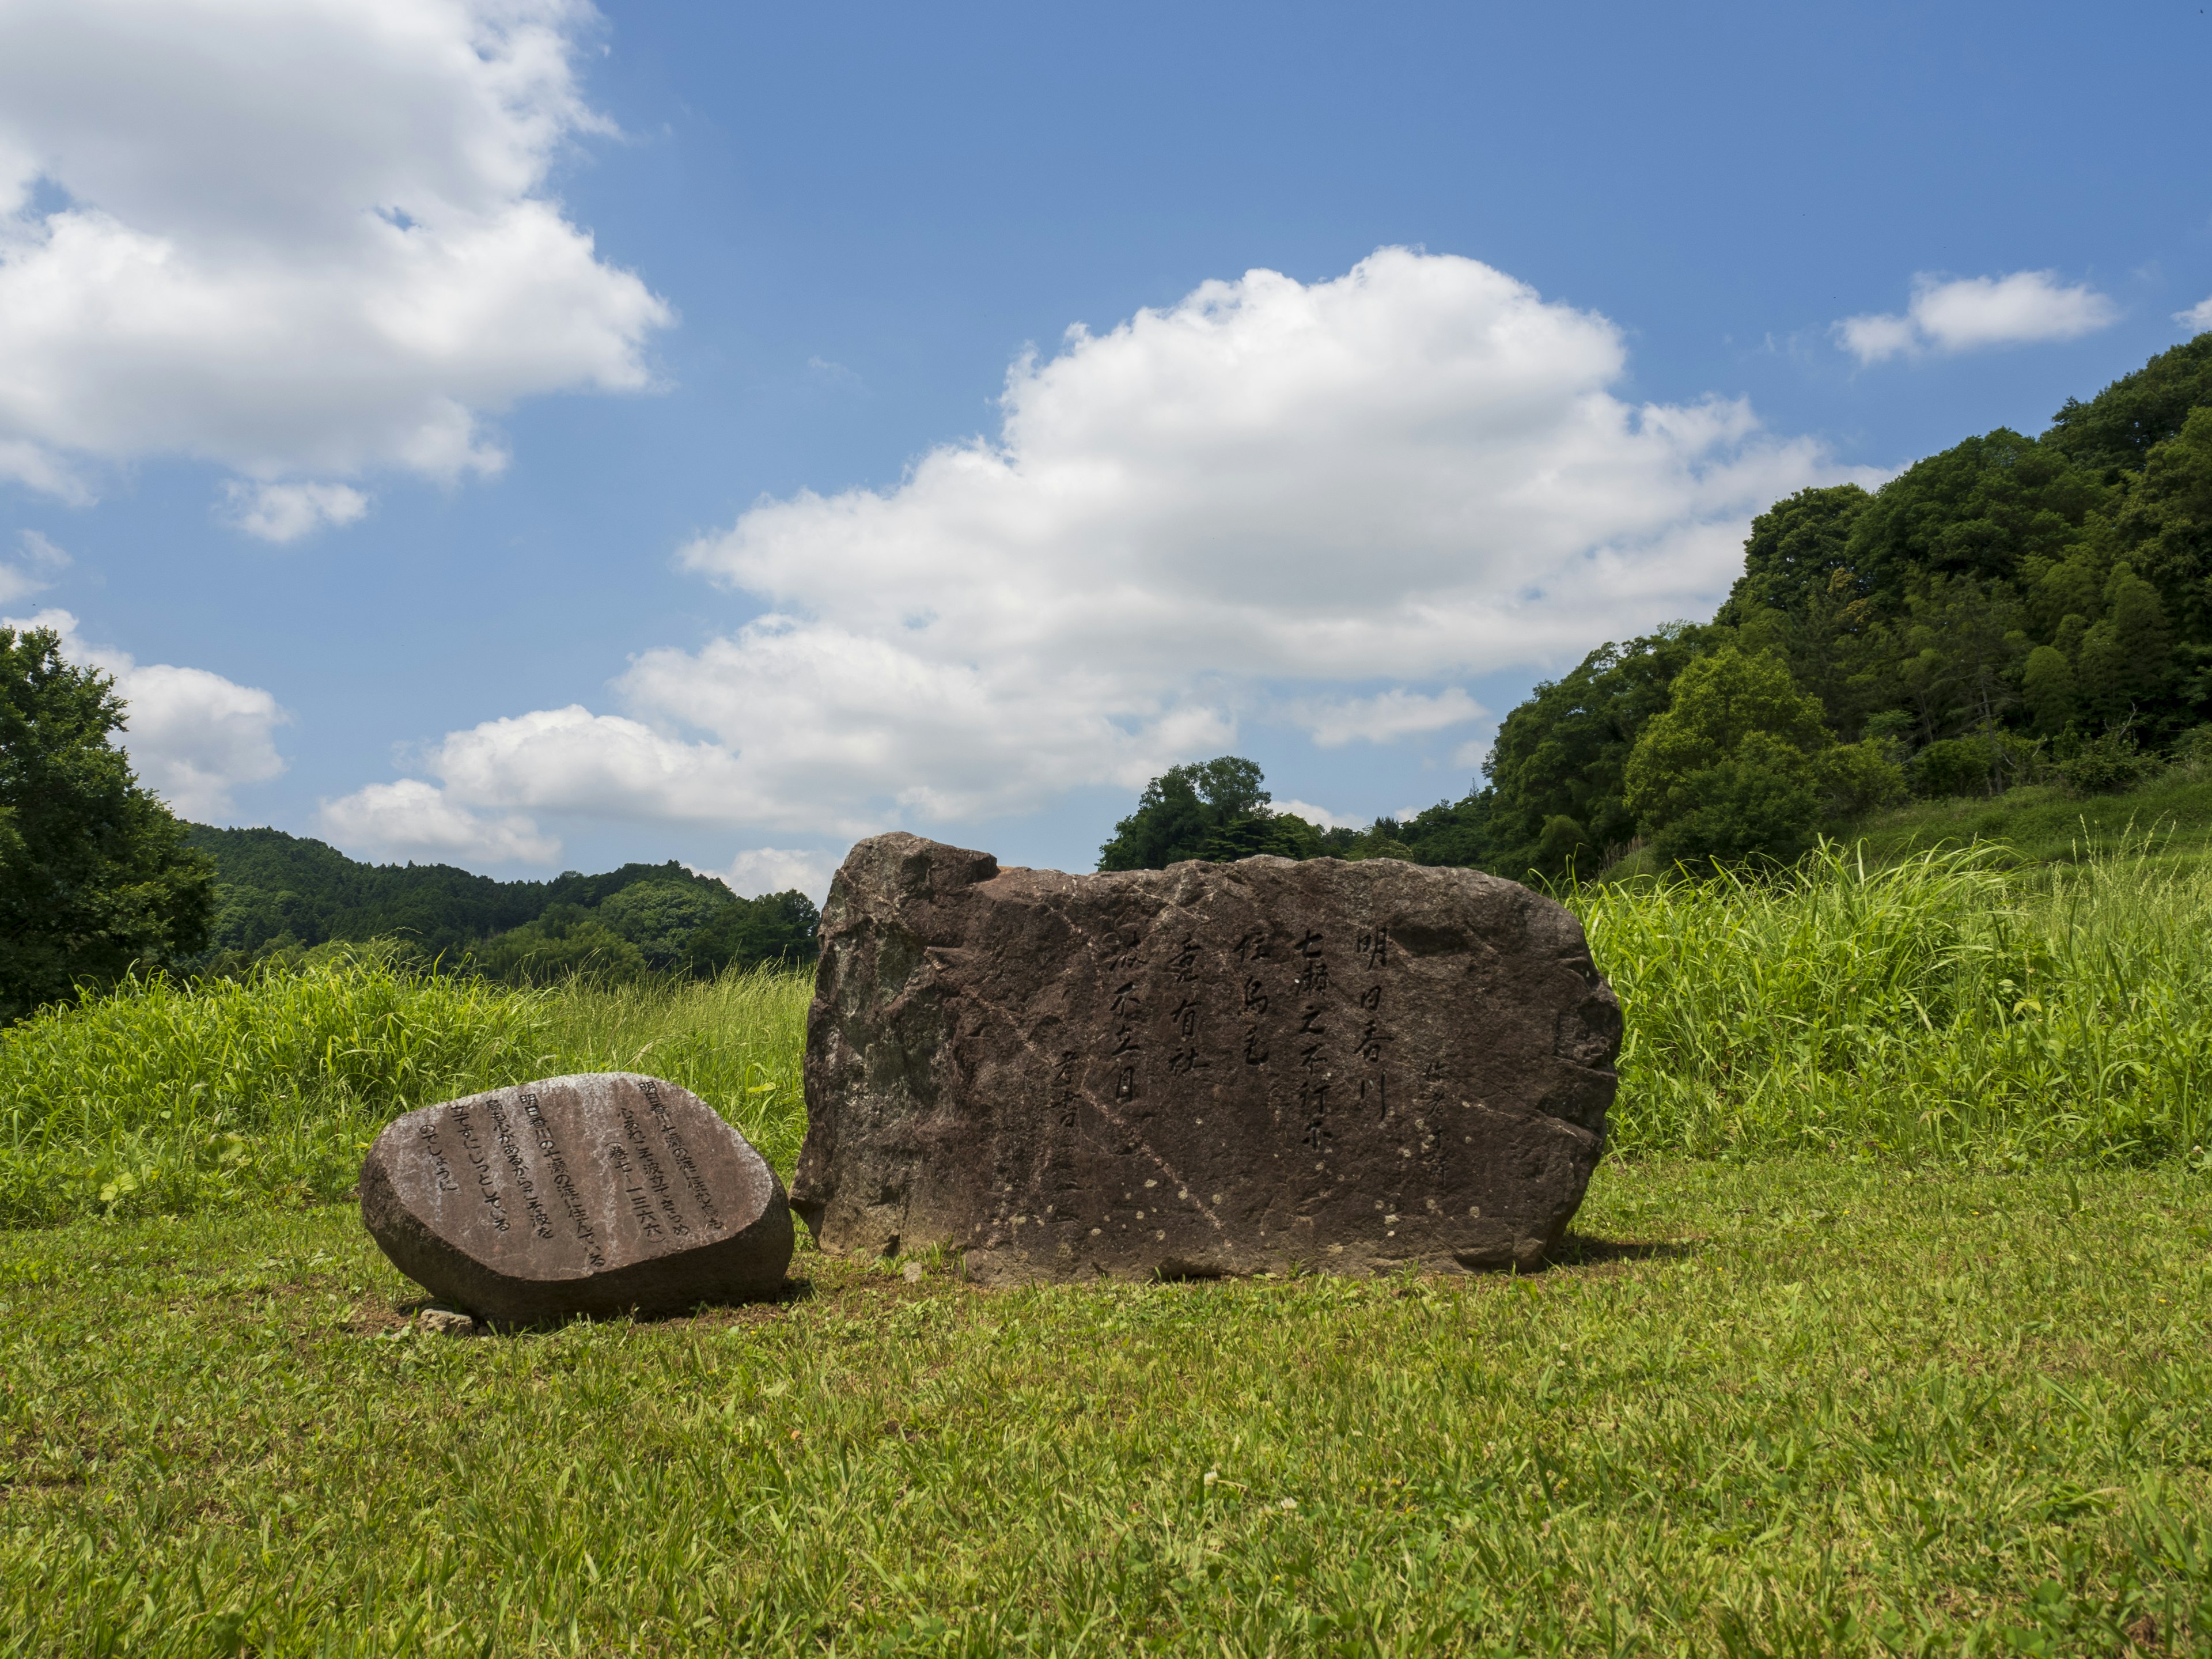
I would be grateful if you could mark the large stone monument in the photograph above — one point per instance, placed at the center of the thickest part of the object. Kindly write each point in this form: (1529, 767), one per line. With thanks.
(590, 1194)
(1209, 1069)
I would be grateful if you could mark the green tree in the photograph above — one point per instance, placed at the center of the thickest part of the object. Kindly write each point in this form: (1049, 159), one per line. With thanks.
(566, 940)
(272, 887)
(1955, 653)
(1859, 777)
(2046, 686)
(2121, 425)
(660, 917)
(1976, 510)
(2164, 531)
(1727, 771)
(2125, 656)
(1795, 551)
(2060, 588)
(777, 929)
(95, 872)
(1456, 832)
(1213, 810)
(1562, 755)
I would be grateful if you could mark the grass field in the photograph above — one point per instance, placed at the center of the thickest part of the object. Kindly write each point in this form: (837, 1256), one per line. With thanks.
(1795, 1407)
(1884, 1330)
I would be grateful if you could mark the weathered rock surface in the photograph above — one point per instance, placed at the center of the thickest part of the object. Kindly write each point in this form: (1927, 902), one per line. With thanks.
(589, 1195)
(1209, 1069)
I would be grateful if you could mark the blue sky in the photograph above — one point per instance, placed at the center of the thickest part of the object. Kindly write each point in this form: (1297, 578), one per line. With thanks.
(531, 438)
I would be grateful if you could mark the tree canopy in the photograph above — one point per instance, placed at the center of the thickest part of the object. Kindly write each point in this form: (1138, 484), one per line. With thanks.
(775, 930)
(2009, 603)
(1213, 809)
(95, 875)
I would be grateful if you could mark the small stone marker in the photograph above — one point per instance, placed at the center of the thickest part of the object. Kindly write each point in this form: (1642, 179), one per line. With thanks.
(1205, 1070)
(589, 1195)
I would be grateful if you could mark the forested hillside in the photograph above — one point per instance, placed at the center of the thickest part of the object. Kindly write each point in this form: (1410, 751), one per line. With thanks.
(2008, 609)
(278, 892)
(2011, 610)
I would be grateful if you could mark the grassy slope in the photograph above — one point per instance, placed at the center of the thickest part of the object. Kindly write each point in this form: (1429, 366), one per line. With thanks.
(1791, 1407)
(2043, 824)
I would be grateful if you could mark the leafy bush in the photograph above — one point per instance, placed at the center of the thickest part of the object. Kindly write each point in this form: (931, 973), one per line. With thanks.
(1726, 773)
(1860, 777)
(776, 929)
(1958, 766)
(95, 874)
(1213, 809)
(2192, 751)
(2105, 765)
(567, 940)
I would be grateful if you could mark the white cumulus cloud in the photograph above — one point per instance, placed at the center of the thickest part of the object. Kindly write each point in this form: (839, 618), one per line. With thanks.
(780, 870)
(1468, 757)
(193, 736)
(1965, 313)
(300, 241)
(1242, 505)
(2198, 316)
(1322, 817)
(410, 818)
(567, 759)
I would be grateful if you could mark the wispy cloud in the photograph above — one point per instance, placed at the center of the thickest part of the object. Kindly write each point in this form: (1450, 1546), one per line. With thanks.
(41, 563)
(1969, 313)
(284, 512)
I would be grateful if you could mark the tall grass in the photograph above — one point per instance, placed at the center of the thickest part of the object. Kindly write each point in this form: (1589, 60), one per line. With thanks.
(1932, 1007)
(1938, 1007)
(170, 1097)
(735, 1041)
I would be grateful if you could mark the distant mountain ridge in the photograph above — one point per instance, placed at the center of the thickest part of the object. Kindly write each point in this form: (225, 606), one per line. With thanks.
(275, 888)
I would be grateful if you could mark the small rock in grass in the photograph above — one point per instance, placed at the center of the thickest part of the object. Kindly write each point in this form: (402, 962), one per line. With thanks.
(911, 1272)
(594, 1195)
(443, 1322)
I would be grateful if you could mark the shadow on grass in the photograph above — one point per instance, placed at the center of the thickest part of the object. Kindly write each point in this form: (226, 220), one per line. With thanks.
(790, 1290)
(1581, 1250)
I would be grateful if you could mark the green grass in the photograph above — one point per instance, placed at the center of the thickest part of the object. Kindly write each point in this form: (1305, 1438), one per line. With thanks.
(1934, 1008)
(1884, 1331)
(170, 1097)
(1796, 1406)
(2041, 823)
